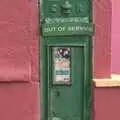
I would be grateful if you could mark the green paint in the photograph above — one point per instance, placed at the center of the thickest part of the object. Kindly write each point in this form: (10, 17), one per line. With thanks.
(80, 84)
(66, 23)
(67, 29)
(59, 20)
(70, 100)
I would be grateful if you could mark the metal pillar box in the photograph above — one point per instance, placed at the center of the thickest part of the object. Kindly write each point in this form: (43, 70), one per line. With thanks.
(66, 51)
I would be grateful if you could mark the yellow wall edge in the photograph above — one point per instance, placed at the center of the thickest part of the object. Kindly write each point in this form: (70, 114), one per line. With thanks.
(114, 81)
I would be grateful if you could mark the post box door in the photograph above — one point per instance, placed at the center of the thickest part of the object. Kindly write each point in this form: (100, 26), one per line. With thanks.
(66, 83)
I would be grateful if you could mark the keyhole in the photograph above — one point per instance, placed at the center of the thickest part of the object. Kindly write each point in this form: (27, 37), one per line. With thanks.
(57, 93)
(54, 113)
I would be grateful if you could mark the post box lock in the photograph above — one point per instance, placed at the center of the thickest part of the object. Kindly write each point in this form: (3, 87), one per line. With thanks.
(57, 93)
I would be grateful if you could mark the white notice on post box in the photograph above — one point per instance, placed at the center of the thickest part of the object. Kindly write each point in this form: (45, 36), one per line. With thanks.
(61, 59)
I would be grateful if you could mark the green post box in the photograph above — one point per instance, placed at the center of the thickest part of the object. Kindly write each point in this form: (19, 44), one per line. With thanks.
(66, 51)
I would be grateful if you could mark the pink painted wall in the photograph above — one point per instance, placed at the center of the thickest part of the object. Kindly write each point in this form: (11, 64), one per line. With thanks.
(19, 83)
(107, 100)
(19, 101)
(19, 40)
(116, 37)
(102, 10)
(106, 104)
